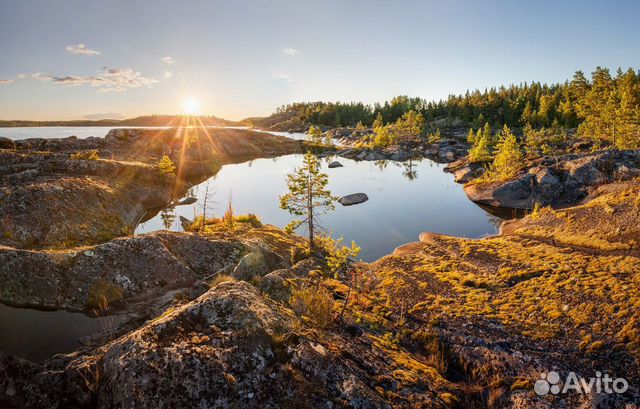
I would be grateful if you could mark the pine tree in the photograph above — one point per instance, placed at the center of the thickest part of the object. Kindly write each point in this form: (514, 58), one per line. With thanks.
(480, 151)
(307, 196)
(378, 122)
(229, 217)
(383, 137)
(328, 140)
(166, 166)
(314, 136)
(471, 137)
(488, 133)
(509, 158)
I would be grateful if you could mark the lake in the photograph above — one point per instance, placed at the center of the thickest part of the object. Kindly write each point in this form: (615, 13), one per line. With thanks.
(37, 335)
(49, 132)
(82, 132)
(405, 199)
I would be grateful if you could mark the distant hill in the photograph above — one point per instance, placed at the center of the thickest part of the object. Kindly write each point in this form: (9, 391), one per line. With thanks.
(288, 121)
(146, 120)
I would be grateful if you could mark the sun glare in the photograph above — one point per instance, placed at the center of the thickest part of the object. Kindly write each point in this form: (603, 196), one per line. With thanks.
(191, 106)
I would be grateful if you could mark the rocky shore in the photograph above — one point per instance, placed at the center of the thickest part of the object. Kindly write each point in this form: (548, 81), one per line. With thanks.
(549, 181)
(53, 196)
(243, 318)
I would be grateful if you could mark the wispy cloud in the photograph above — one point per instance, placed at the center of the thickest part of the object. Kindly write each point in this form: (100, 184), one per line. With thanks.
(110, 80)
(168, 60)
(5, 81)
(38, 75)
(168, 74)
(82, 49)
(282, 78)
(290, 51)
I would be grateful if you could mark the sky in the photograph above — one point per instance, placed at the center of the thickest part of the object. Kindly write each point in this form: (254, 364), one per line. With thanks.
(75, 59)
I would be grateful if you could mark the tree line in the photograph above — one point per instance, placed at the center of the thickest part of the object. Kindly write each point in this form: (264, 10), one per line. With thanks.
(605, 108)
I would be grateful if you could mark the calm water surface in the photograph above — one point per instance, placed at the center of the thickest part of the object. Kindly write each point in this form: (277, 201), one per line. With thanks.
(48, 132)
(405, 199)
(83, 132)
(36, 335)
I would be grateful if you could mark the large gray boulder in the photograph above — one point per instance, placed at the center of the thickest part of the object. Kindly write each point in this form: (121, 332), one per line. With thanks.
(353, 199)
(515, 193)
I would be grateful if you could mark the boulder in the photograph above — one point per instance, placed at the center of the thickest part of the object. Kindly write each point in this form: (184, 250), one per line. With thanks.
(258, 262)
(353, 199)
(6, 143)
(468, 173)
(548, 186)
(335, 164)
(448, 153)
(276, 284)
(517, 193)
(584, 171)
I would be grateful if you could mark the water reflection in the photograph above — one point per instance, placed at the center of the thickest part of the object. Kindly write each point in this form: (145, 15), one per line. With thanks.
(405, 199)
(36, 335)
(168, 217)
(409, 170)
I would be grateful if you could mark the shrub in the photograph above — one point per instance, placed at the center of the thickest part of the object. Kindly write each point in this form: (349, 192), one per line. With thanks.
(313, 302)
(221, 278)
(338, 255)
(85, 155)
(103, 293)
(249, 218)
(544, 140)
(166, 166)
(228, 218)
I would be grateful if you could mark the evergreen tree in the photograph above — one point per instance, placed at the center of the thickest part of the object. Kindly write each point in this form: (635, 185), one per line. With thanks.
(509, 158)
(314, 136)
(166, 166)
(378, 122)
(480, 151)
(471, 137)
(307, 196)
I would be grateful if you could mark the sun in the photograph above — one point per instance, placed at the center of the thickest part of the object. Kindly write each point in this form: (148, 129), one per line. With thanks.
(191, 106)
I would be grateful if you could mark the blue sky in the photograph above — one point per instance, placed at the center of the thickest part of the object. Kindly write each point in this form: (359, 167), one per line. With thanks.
(242, 58)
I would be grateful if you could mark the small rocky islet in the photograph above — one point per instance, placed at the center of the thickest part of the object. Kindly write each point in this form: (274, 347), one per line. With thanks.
(208, 317)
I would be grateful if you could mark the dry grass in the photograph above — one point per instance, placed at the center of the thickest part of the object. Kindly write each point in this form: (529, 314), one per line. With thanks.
(549, 277)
